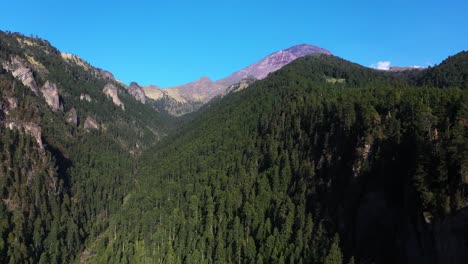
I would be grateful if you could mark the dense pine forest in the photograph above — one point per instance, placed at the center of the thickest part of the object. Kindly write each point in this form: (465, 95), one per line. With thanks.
(298, 169)
(324, 161)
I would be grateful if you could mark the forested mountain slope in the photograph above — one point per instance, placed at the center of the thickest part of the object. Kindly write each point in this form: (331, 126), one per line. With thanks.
(452, 72)
(324, 161)
(69, 136)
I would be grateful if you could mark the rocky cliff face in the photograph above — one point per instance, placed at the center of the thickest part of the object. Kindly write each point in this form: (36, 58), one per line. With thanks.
(51, 95)
(137, 92)
(112, 91)
(71, 58)
(244, 83)
(21, 71)
(91, 124)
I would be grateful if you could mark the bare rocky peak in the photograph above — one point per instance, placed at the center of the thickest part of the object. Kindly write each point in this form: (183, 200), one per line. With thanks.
(112, 91)
(302, 50)
(201, 90)
(273, 62)
(20, 70)
(91, 124)
(137, 92)
(52, 96)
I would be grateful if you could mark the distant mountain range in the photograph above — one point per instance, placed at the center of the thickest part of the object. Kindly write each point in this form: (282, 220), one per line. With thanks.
(189, 97)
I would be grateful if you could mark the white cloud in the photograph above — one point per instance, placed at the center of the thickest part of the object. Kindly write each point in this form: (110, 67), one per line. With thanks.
(382, 65)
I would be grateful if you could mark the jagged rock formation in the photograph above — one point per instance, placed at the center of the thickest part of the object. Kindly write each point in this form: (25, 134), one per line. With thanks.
(52, 96)
(91, 124)
(112, 91)
(137, 92)
(22, 72)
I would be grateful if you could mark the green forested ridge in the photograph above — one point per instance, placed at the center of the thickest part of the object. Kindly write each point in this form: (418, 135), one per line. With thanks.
(452, 72)
(296, 169)
(370, 168)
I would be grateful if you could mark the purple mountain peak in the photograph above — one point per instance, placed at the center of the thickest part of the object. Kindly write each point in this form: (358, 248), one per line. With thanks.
(273, 62)
(302, 50)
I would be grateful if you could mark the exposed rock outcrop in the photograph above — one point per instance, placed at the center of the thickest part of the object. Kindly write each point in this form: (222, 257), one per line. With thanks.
(85, 97)
(104, 74)
(112, 91)
(72, 117)
(71, 58)
(51, 95)
(244, 83)
(9, 104)
(91, 124)
(20, 71)
(137, 92)
(362, 153)
(29, 128)
(13, 102)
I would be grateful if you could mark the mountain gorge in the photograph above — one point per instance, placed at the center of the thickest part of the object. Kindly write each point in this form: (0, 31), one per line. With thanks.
(302, 157)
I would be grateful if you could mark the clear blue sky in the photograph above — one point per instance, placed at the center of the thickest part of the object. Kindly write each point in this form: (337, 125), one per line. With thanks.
(173, 42)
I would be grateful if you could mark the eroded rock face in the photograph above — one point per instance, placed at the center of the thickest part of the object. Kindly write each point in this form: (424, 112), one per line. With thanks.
(91, 124)
(9, 104)
(51, 95)
(29, 128)
(137, 92)
(72, 117)
(104, 74)
(111, 91)
(244, 83)
(13, 102)
(20, 71)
